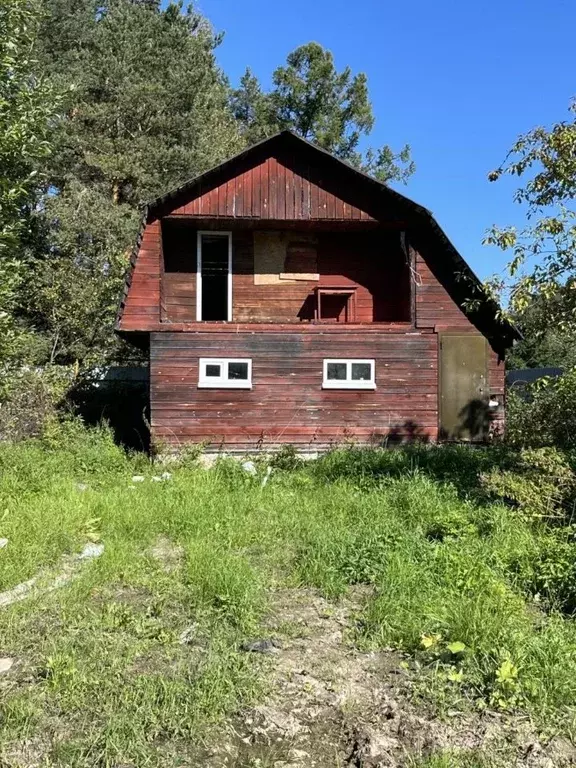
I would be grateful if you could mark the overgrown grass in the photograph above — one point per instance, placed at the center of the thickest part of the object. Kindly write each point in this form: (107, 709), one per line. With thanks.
(470, 590)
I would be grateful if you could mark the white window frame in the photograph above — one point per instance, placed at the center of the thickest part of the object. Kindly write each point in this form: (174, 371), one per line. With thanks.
(348, 382)
(217, 233)
(223, 382)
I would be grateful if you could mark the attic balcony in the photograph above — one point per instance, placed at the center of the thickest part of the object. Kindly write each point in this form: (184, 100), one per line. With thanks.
(269, 273)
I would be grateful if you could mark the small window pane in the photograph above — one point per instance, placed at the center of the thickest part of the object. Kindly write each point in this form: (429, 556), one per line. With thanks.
(336, 371)
(361, 372)
(212, 370)
(238, 371)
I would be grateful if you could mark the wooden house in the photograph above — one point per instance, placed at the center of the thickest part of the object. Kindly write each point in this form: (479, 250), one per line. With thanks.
(286, 297)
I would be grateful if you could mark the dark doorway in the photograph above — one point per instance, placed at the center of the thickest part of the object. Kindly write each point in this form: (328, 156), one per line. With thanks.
(464, 410)
(215, 269)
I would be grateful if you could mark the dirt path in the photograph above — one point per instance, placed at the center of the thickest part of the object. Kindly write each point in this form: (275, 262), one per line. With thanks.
(332, 706)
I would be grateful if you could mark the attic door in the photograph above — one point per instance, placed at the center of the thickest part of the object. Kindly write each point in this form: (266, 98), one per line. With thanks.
(464, 412)
(214, 276)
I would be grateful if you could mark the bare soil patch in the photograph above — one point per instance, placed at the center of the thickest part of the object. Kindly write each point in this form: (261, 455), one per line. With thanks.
(331, 704)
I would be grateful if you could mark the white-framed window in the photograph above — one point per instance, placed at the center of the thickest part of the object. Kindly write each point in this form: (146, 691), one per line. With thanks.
(225, 372)
(348, 374)
(214, 276)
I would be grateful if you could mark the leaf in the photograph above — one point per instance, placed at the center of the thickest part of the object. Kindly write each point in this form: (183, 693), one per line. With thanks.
(506, 672)
(455, 675)
(429, 641)
(456, 647)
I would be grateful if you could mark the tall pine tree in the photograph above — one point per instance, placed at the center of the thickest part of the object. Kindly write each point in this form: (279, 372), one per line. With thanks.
(330, 108)
(146, 108)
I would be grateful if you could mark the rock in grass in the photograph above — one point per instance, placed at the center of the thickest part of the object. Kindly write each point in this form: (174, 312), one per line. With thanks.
(188, 635)
(138, 478)
(81, 486)
(249, 467)
(3, 543)
(269, 647)
(6, 664)
(90, 551)
(161, 478)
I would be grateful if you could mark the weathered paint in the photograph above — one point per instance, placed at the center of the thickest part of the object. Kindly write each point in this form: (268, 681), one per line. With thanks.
(287, 403)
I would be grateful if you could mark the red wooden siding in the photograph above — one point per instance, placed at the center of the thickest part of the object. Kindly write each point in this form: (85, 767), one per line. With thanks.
(434, 305)
(271, 190)
(287, 403)
(143, 307)
(142, 304)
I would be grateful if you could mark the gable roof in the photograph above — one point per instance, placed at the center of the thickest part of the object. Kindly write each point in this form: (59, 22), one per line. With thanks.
(425, 233)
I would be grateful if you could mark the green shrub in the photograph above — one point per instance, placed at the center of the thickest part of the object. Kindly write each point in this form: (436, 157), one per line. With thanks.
(30, 398)
(287, 459)
(544, 414)
(541, 485)
(554, 571)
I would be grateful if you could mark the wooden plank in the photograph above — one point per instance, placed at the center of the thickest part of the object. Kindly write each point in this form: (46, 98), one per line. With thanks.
(265, 190)
(306, 204)
(256, 191)
(273, 188)
(289, 194)
(281, 191)
(299, 184)
(239, 196)
(330, 205)
(222, 200)
(230, 186)
(247, 203)
(321, 212)
(338, 208)
(313, 203)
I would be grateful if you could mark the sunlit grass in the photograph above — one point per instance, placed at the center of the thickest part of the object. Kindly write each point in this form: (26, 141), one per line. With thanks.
(102, 674)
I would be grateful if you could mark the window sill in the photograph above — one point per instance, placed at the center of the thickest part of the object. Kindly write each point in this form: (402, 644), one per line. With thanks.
(351, 385)
(223, 385)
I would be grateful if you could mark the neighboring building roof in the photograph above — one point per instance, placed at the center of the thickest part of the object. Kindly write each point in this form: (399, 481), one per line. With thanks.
(523, 376)
(444, 260)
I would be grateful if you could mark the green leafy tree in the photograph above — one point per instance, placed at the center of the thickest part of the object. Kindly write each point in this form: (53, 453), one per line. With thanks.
(330, 108)
(146, 108)
(542, 268)
(26, 112)
(545, 343)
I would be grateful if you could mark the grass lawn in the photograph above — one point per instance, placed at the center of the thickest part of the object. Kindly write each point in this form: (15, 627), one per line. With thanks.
(138, 661)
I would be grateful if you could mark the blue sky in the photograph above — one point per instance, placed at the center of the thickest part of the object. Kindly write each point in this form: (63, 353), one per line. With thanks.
(456, 80)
